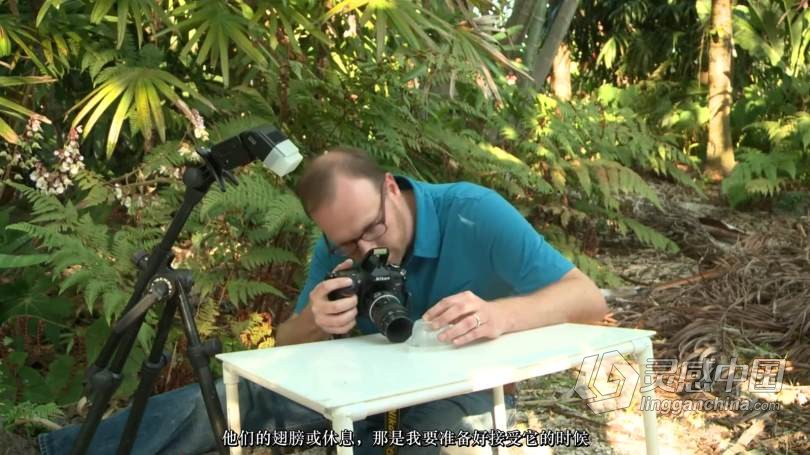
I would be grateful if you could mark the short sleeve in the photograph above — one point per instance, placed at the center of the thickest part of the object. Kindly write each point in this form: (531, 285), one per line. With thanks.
(321, 264)
(517, 253)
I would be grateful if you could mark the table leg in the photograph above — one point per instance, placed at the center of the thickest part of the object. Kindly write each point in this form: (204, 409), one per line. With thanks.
(339, 424)
(499, 411)
(643, 357)
(231, 381)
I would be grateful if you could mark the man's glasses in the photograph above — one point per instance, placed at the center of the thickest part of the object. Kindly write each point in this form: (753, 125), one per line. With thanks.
(373, 231)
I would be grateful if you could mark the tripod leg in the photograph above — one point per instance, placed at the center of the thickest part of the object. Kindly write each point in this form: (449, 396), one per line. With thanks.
(149, 372)
(103, 382)
(105, 378)
(200, 354)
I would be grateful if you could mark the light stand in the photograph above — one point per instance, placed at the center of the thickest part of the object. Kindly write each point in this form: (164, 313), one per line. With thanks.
(159, 283)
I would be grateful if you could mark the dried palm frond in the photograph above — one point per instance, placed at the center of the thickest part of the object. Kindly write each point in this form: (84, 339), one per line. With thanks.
(755, 303)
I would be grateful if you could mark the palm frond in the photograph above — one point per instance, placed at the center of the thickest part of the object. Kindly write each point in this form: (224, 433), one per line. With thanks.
(138, 11)
(216, 29)
(138, 92)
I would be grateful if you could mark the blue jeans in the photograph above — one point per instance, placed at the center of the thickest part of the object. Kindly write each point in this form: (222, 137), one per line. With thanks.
(176, 422)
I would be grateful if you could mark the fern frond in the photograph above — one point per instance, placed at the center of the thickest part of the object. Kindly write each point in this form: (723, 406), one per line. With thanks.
(206, 317)
(93, 235)
(241, 290)
(650, 236)
(49, 236)
(224, 129)
(114, 300)
(259, 332)
(28, 411)
(261, 256)
(206, 282)
(760, 174)
(70, 256)
(45, 206)
(764, 186)
(614, 178)
(92, 291)
(166, 155)
(77, 278)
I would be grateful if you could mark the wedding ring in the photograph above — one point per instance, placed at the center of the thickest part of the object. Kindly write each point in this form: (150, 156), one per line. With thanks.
(477, 320)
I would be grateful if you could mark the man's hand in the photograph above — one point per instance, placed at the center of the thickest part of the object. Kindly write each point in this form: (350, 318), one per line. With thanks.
(471, 316)
(574, 298)
(333, 316)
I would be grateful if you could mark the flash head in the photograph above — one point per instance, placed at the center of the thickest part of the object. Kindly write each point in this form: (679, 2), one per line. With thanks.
(264, 143)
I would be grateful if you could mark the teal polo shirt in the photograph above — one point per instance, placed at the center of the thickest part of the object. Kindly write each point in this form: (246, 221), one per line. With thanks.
(467, 237)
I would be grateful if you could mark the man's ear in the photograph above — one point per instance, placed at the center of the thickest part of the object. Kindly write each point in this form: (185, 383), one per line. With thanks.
(391, 184)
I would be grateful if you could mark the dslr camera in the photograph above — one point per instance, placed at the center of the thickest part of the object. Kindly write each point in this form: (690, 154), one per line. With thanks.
(381, 294)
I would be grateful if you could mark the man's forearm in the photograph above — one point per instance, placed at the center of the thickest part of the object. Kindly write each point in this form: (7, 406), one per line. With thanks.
(574, 298)
(300, 328)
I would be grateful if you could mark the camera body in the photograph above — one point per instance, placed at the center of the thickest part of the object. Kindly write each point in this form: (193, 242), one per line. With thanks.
(381, 294)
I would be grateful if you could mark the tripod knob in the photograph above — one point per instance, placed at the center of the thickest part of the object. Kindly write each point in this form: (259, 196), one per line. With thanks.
(140, 259)
(212, 346)
(153, 368)
(194, 177)
(185, 278)
(200, 353)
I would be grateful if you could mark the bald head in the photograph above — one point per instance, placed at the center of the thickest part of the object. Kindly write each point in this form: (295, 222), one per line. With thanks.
(316, 187)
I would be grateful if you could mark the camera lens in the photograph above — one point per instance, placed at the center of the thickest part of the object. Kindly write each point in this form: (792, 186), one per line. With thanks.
(390, 316)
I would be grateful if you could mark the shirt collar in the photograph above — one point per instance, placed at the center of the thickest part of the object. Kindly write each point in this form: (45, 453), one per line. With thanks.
(426, 237)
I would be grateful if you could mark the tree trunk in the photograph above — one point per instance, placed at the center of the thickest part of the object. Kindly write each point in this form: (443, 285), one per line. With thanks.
(521, 13)
(556, 35)
(719, 150)
(534, 31)
(561, 73)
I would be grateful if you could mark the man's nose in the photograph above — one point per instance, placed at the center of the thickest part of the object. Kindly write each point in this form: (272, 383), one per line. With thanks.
(363, 247)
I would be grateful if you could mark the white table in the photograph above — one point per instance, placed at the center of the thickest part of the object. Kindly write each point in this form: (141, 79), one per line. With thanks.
(334, 377)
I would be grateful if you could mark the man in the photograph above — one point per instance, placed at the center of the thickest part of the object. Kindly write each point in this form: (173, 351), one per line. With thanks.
(471, 259)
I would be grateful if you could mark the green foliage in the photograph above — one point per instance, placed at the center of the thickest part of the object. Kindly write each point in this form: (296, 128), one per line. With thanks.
(137, 11)
(776, 33)
(60, 384)
(218, 26)
(587, 152)
(29, 293)
(13, 245)
(245, 220)
(13, 109)
(99, 331)
(12, 414)
(79, 249)
(774, 141)
(759, 175)
(138, 91)
(639, 40)
(572, 248)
